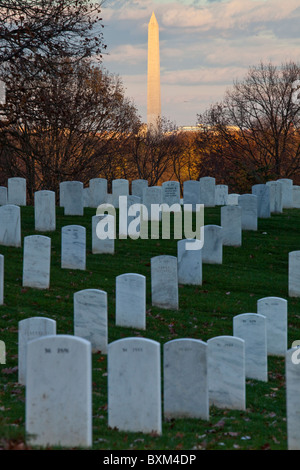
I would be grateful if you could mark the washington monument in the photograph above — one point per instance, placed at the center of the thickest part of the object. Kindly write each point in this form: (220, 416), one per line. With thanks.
(153, 86)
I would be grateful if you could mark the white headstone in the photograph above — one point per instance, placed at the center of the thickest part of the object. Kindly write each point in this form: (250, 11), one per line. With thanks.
(73, 197)
(189, 263)
(1, 279)
(44, 211)
(137, 187)
(29, 329)
(134, 385)
(73, 247)
(287, 192)
(164, 282)
(191, 193)
(152, 196)
(130, 211)
(59, 392)
(294, 274)
(275, 311)
(36, 261)
(262, 191)
(292, 375)
(226, 372)
(90, 318)
(296, 197)
(103, 245)
(232, 199)
(120, 187)
(2, 352)
(185, 379)
(251, 327)
(131, 301)
(16, 191)
(86, 197)
(10, 225)
(98, 191)
(3, 195)
(231, 222)
(171, 192)
(207, 191)
(248, 204)
(275, 196)
(221, 194)
(212, 251)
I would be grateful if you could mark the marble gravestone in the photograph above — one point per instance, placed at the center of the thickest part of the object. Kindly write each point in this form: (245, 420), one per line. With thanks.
(36, 261)
(1, 279)
(134, 385)
(275, 196)
(296, 197)
(131, 300)
(212, 251)
(58, 406)
(73, 247)
(275, 311)
(185, 379)
(294, 274)
(287, 193)
(10, 225)
(262, 191)
(221, 194)
(2, 352)
(191, 193)
(226, 372)
(44, 211)
(120, 187)
(207, 191)
(189, 263)
(16, 191)
(90, 318)
(164, 282)
(292, 379)
(3, 195)
(248, 204)
(137, 187)
(72, 197)
(28, 330)
(232, 199)
(251, 327)
(86, 197)
(129, 224)
(98, 192)
(171, 193)
(231, 223)
(103, 245)
(152, 198)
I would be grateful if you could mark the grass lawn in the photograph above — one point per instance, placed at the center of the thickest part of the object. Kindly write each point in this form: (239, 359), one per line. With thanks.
(257, 269)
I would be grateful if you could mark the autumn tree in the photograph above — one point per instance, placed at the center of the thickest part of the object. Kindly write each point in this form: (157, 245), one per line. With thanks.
(65, 126)
(152, 153)
(31, 28)
(258, 124)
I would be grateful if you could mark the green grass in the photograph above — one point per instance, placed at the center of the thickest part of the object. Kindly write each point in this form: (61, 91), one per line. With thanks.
(257, 269)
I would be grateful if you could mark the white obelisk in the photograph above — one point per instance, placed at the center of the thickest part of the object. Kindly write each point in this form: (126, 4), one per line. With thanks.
(153, 87)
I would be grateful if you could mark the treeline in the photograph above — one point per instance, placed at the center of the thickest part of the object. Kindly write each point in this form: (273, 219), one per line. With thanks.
(67, 118)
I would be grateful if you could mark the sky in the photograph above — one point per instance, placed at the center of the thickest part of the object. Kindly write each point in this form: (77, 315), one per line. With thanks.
(205, 46)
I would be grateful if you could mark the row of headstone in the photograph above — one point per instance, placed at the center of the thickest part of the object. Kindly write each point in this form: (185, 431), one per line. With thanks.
(204, 191)
(196, 376)
(294, 274)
